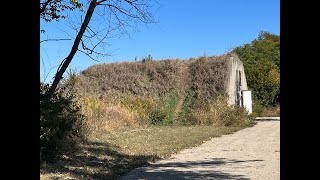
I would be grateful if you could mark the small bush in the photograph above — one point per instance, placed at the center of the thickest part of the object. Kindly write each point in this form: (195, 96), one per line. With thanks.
(259, 110)
(61, 124)
(235, 116)
(170, 105)
(157, 117)
(208, 112)
(271, 111)
(183, 116)
(164, 112)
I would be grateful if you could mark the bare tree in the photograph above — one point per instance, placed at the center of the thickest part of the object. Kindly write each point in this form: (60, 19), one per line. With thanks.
(113, 16)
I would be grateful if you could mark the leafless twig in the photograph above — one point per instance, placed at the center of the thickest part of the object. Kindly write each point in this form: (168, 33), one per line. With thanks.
(53, 40)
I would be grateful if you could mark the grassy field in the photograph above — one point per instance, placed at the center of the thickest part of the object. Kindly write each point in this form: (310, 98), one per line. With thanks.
(109, 155)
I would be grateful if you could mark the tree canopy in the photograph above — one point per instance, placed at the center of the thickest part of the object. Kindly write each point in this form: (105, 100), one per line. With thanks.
(261, 60)
(53, 9)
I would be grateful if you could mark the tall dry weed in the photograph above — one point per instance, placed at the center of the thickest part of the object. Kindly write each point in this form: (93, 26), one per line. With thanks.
(104, 115)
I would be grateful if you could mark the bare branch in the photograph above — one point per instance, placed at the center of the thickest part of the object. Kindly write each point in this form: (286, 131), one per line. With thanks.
(144, 15)
(112, 19)
(44, 71)
(121, 10)
(99, 2)
(49, 72)
(65, 32)
(72, 24)
(89, 55)
(91, 35)
(91, 50)
(121, 24)
(53, 40)
(101, 40)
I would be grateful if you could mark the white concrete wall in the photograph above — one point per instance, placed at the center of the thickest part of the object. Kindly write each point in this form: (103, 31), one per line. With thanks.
(247, 101)
(234, 65)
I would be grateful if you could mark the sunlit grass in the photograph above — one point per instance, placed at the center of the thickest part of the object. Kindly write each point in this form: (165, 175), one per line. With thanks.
(109, 155)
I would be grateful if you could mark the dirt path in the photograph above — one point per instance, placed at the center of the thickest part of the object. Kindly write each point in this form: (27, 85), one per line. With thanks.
(252, 153)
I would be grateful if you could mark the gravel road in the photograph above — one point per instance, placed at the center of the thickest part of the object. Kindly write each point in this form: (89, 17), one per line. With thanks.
(251, 153)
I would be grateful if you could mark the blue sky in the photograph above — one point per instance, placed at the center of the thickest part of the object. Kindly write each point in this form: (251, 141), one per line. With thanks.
(185, 29)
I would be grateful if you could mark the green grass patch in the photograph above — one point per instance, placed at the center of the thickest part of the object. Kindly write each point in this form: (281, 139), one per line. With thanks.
(109, 155)
(164, 112)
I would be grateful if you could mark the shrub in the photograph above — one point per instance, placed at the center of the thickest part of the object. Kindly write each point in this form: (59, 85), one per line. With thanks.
(61, 124)
(271, 111)
(170, 105)
(208, 112)
(257, 108)
(157, 117)
(235, 116)
(260, 110)
(164, 112)
(184, 114)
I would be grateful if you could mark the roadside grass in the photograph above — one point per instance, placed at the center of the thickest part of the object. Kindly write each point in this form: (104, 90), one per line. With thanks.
(110, 155)
(261, 111)
(271, 111)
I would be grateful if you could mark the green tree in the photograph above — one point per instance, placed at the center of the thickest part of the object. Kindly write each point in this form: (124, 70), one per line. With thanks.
(61, 124)
(261, 60)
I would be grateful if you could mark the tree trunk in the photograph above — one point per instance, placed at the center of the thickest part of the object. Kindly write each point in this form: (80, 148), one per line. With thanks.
(73, 51)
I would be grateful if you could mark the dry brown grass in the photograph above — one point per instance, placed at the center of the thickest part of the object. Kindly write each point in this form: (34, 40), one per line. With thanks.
(112, 115)
(155, 78)
(129, 94)
(209, 113)
(209, 77)
(218, 113)
(151, 78)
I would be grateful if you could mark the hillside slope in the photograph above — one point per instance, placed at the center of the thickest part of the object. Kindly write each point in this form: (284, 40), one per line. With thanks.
(154, 92)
